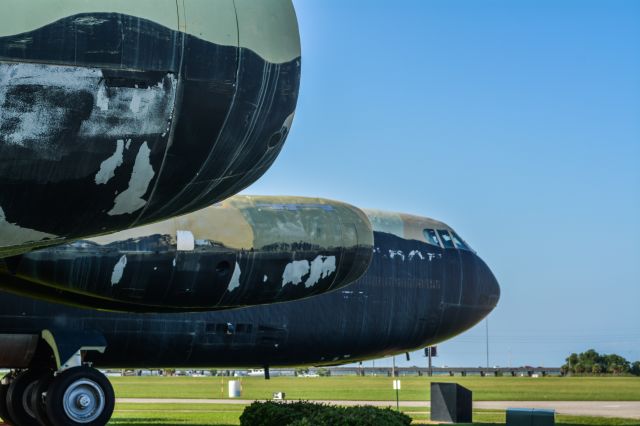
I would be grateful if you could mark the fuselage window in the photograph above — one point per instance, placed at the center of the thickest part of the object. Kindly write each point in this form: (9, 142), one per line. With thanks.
(431, 237)
(446, 238)
(458, 242)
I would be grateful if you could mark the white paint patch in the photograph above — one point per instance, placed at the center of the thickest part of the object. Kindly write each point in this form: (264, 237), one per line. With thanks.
(118, 270)
(294, 272)
(102, 100)
(289, 121)
(321, 267)
(14, 235)
(36, 122)
(109, 166)
(264, 279)
(185, 240)
(39, 121)
(134, 111)
(128, 144)
(394, 253)
(131, 199)
(415, 253)
(235, 278)
(136, 102)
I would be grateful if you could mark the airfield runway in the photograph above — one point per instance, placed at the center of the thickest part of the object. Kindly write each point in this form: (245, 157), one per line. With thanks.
(620, 409)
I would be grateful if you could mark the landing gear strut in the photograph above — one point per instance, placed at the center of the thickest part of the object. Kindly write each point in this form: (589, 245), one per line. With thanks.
(74, 394)
(77, 396)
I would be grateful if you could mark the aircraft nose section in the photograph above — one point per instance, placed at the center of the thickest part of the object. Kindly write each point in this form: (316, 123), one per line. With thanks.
(479, 295)
(489, 289)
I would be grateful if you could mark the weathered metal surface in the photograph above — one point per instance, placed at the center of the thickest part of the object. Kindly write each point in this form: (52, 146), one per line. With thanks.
(247, 250)
(119, 113)
(413, 294)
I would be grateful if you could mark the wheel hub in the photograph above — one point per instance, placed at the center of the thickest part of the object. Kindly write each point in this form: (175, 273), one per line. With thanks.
(83, 401)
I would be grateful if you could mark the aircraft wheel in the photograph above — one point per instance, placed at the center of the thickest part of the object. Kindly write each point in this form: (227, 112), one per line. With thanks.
(38, 405)
(4, 413)
(19, 398)
(80, 396)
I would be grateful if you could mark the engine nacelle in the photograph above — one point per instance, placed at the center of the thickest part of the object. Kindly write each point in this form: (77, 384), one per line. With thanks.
(248, 250)
(119, 113)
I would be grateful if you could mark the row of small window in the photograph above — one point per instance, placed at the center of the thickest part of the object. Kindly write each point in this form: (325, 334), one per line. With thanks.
(444, 238)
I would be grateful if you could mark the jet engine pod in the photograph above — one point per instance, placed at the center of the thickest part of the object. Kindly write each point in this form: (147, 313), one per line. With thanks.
(248, 250)
(118, 113)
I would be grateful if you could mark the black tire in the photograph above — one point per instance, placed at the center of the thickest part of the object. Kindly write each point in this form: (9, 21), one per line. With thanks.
(38, 405)
(4, 413)
(73, 388)
(19, 398)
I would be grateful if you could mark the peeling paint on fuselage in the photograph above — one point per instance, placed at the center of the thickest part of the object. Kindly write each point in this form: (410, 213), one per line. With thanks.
(321, 267)
(131, 199)
(235, 278)
(295, 271)
(40, 103)
(102, 101)
(118, 270)
(109, 166)
(289, 121)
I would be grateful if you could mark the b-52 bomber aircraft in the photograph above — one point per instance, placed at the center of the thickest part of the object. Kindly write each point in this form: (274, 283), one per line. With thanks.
(422, 284)
(126, 128)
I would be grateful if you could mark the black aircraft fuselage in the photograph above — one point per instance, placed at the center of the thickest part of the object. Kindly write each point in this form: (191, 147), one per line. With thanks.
(414, 294)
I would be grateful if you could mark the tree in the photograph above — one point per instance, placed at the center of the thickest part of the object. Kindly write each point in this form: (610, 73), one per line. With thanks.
(589, 358)
(635, 368)
(591, 362)
(572, 360)
(616, 364)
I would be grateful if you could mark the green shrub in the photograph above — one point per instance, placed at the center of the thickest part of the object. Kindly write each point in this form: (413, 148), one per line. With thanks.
(271, 413)
(310, 414)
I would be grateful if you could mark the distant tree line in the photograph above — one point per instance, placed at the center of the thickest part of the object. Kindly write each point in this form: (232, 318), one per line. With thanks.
(591, 362)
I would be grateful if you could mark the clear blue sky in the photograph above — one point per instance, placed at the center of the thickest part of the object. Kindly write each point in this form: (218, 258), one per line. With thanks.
(517, 123)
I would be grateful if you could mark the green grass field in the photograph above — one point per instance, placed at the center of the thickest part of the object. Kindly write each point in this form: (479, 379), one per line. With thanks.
(207, 414)
(380, 388)
(358, 388)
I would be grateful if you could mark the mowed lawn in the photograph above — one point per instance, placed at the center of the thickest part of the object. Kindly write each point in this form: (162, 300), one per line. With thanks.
(214, 414)
(380, 388)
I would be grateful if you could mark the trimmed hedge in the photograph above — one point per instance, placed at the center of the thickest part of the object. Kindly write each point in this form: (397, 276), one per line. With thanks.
(302, 413)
